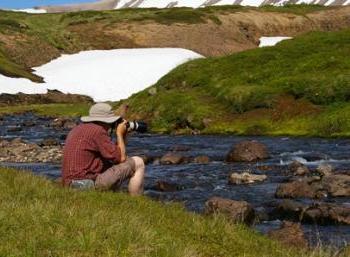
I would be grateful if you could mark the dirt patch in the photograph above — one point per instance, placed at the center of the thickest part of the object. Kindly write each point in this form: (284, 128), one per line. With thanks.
(284, 107)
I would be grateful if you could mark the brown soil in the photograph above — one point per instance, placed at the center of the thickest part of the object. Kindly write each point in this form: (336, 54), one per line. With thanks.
(237, 32)
(285, 107)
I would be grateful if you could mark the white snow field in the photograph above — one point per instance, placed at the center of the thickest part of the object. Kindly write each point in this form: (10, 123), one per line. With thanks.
(104, 75)
(271, 41)
(30, 10)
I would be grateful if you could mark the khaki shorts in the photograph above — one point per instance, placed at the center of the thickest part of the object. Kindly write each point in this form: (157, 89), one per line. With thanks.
(114, 177)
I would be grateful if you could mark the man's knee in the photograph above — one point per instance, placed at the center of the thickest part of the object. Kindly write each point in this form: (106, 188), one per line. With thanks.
(139, 163)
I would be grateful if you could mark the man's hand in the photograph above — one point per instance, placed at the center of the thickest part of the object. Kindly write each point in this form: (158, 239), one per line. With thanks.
(121, 129)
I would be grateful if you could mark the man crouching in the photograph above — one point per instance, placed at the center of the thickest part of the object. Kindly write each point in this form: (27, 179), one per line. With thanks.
(90, 154)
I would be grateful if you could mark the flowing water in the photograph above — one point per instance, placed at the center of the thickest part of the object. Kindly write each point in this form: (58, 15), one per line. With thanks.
(198, 182)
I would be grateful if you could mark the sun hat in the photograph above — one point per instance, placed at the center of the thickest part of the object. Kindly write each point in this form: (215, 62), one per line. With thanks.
(100, 112)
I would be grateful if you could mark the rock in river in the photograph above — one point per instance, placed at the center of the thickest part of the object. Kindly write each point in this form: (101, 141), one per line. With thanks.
(337, 185)
(237, 211)
(247, 151)
(301, 188)
(172, 158)
(245, 178)
(202, 159)
(290, 234)
(298, 169)
(164, 186)
(318, 212)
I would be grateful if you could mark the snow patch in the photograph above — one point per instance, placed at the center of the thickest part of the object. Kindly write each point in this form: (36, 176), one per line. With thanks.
(271, 41)
(30, 10)
(104, 75)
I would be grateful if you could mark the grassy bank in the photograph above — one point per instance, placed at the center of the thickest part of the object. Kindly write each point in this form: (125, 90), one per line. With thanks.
(55, 110)
(38, 218)
(299, 87)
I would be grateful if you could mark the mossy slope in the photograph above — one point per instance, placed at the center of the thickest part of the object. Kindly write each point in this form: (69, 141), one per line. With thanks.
(299, 87)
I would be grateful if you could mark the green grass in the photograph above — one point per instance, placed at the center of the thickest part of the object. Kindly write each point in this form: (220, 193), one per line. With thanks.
(62, 110)
(313, 69)
(38, 218)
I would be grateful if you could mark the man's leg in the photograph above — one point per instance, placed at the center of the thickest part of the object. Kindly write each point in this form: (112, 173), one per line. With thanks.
(133, 168)
(135, 186)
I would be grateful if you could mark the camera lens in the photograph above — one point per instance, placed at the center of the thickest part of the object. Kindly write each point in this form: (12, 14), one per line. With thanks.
(138, 126)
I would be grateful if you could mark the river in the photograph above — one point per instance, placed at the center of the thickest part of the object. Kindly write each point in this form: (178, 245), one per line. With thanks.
(198, 182)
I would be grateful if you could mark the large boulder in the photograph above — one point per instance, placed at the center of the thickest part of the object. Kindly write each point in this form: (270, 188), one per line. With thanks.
(245, 178)
(301, 188)
(290, 234)
(236, 211)
(320, 213)
(247, 151)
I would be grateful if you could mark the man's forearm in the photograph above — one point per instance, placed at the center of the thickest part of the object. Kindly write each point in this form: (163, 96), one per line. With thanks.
(121, 144)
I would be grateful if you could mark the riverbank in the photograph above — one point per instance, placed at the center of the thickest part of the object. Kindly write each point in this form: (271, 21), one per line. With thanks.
(40, 218)
(333, 122)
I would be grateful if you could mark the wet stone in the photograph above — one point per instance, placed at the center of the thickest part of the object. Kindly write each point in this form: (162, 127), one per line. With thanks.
(164, 186)
(317, 212)
(325, 170)
(298, 169)
(247, 151)
(245, 178)
(202, 159)
(290, 234)
(236, 211)
(172, 158)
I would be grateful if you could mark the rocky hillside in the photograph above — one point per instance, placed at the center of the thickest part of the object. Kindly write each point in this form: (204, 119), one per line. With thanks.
(299, 87)
(122, 4)
(28, 40)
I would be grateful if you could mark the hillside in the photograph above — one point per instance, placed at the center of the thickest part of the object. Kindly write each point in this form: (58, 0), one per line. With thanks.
(122, 4)
(299, 87)
(28, 40)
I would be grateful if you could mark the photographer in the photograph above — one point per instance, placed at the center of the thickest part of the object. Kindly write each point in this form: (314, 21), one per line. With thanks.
(90, 155)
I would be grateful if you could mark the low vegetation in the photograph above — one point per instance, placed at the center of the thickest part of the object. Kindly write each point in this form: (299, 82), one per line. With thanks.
(39, 218)
(299, 87)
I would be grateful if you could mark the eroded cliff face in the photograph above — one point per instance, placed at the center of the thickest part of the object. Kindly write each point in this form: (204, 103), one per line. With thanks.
(227, 33)
(234, 32)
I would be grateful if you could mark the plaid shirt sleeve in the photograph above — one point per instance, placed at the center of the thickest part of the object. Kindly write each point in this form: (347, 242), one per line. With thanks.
(108, 150)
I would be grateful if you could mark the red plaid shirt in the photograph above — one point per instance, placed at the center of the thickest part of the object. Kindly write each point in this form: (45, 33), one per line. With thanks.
(88, 152)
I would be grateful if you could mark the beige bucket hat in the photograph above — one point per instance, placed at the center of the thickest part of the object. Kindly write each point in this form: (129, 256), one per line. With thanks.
(101, 112)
